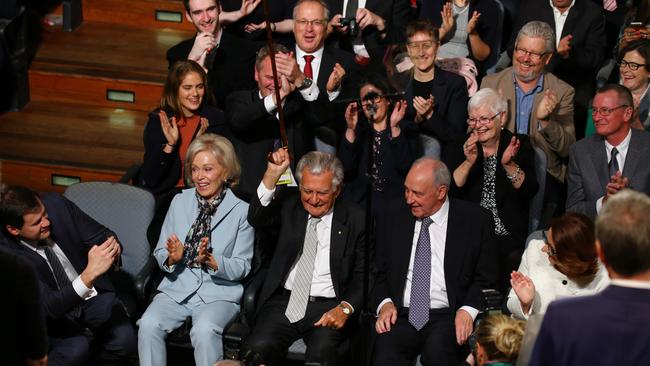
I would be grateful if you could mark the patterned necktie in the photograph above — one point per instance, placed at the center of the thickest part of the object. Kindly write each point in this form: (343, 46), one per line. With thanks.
(60, 276)
(304, 273)
(613, 163)
(609, 5)
(308, 70)
(421, 278)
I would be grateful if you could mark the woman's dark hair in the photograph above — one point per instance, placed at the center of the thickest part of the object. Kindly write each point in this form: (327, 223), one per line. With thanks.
(642, 47)
(169, 100)
(575, 246)
(641, 13)
(377, 81)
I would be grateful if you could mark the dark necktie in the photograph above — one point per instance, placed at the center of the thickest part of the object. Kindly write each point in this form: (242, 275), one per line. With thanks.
(421, 279)
(60, 276)
(351, 9)
(308, 70)
(613, 163)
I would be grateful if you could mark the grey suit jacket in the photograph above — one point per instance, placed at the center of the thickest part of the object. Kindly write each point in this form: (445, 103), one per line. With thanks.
(588, 173)
(556, 138)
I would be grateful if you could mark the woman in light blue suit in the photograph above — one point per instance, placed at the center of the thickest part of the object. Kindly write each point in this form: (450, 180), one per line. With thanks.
(205, 249)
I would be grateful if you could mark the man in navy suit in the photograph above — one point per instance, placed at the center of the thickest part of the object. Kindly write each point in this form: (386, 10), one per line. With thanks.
(71, 254)
(610, 328)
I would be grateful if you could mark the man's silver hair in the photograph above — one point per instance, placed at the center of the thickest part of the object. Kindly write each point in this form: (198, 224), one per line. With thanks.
(317, 162)
(490, 98)
(537, 29)
(321, 2)
(441, 174)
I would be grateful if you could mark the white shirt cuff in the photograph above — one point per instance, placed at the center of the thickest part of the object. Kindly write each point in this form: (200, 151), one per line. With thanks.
(310, 94)
(265, 195)
(81, 289)
(599, 204)
(335, 94)
(472, 312)
(384, 301)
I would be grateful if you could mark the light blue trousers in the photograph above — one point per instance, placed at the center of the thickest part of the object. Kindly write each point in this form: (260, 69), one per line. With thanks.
(164, 315)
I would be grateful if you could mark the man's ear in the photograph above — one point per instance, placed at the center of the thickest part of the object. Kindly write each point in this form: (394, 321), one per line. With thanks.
(600, 253)
(12, 230)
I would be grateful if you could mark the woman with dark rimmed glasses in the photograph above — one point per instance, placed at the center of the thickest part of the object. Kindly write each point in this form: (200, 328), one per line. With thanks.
(564, 263)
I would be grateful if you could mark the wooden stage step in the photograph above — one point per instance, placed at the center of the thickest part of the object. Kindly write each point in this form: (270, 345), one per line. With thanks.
(73, 135)
(83, 66)
(140, 13)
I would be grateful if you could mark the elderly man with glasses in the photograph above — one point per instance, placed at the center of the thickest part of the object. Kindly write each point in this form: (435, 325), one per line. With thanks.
(539, 105)
(601, 165)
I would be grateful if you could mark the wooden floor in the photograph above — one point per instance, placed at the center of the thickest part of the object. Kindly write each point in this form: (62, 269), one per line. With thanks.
(69, 125)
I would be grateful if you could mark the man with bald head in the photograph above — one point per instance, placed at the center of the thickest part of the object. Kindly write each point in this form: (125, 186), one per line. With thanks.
(434, 256)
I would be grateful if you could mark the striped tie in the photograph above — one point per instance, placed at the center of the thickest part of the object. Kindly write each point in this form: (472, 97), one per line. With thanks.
(304, 273)
(421, 279)
(609, 5)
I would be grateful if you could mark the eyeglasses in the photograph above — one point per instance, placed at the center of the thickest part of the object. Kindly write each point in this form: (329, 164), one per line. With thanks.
(420, 45)
(316, 23)
(551, 250)
(371, 98)
(533, 55)
(483, 120)
(631, 65)
(604, 111)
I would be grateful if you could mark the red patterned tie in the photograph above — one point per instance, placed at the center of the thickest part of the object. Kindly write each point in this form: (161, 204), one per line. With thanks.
(308, 71)
(609, 5)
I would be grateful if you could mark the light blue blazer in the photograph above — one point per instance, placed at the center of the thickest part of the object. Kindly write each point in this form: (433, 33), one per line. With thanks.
(232, 247)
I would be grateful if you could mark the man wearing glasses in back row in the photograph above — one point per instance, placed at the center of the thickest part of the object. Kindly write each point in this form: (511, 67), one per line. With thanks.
(603, 164)
(539, 105)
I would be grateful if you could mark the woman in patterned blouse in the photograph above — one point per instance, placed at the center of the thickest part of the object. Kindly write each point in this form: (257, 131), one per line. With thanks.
(496, 169)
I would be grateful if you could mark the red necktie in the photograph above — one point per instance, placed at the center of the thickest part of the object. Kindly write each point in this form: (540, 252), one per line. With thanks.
(308, 71)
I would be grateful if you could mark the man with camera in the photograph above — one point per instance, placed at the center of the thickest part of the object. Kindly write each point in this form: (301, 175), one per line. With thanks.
(366, 27)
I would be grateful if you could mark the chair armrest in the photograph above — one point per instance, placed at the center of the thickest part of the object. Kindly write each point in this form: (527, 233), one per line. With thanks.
(251, 291)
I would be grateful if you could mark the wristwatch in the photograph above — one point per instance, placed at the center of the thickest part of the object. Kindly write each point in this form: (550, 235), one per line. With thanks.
(346, 310)
(305, 84)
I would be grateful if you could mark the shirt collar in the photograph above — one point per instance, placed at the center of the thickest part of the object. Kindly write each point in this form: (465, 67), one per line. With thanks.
(317, 55)
(623, 145)
(32, 247)
(536, 89)
(556, 10)
(631, 283)
(326, 219)
(440, 217)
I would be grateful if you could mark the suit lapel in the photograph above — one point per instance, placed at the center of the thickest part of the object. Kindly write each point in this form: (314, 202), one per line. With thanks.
(338, 234)
(326, 66)
(229, 202)
(401, 252)
(632, 157)
(599, 161)
(454, 251)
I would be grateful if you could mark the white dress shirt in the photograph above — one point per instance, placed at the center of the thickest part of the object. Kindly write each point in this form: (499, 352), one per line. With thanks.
(315, 68)
(437, 286)
(560, 19)
(321, 282)
(77, 284)
(620, 158)
(357, 44)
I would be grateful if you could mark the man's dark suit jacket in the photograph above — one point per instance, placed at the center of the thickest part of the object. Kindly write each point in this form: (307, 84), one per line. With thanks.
(347, 244)
(469, 263)
(161, 171)
(586, 23)
(449, 120)
(75, 233)
(232, 67)
(254, 132)
(396, 14)
(609, 328)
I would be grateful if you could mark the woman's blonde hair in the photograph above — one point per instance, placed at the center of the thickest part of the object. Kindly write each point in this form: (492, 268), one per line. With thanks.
(222, 150)
(500, 336)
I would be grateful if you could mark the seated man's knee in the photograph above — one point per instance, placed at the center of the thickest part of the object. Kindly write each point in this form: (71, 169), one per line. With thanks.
(71, 351)
(124, 340)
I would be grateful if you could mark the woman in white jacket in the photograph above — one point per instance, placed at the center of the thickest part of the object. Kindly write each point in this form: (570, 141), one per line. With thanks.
(563, 264)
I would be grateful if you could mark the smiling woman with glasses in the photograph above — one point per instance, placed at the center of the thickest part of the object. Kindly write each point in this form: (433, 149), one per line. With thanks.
(562, 264)
(634, 71)
(496, 169)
